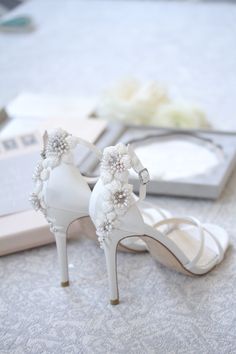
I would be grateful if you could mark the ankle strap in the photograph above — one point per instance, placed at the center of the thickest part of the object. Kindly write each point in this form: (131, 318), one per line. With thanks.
(77, 140)
(142, 172)
(91, 147)
(98, 153)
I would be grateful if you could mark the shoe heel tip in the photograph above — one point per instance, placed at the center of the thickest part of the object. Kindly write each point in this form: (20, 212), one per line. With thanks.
(64, 284)
(114, 302)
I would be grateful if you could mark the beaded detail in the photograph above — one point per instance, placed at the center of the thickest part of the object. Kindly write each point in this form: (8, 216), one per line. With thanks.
(57, 147)
(105, 224)
(115, 163)
(118, 195)
(36, 202)
(57, 144)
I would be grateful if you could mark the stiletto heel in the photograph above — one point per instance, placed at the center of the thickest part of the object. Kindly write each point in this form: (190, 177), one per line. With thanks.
(61, 192)
(111, 263)
(60, 237)
(183, 244)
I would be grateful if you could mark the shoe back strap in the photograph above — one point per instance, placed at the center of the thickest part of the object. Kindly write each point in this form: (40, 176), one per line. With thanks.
(91, 147)
(142, 172)
(98, 153)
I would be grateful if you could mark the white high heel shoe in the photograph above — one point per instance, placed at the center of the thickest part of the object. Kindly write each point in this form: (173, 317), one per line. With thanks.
(62, 194)
(180, 243)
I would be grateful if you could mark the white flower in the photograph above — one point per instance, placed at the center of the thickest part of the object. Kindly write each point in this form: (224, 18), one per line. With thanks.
(118, 197)
(58, 147)
(180, 115)
(132, 102)
(57, 144)
(148, 104)
(115, 163)
(105, 224)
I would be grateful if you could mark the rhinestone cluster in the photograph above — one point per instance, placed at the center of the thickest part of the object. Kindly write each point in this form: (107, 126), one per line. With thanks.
(116, 164)
(57, 147)
(105, 227)
(57, 144)
(117, 196)
(121, 198)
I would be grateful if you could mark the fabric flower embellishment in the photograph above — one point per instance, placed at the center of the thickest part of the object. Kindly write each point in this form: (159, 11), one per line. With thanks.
(59, 145)
(118, 197)
(115, 163)
(105, 223)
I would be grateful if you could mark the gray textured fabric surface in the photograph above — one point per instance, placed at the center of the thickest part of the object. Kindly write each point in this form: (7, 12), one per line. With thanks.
(79, 48)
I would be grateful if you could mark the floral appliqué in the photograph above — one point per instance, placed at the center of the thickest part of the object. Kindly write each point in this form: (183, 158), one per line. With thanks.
(115, 163)
(58, 147)
(117, 197)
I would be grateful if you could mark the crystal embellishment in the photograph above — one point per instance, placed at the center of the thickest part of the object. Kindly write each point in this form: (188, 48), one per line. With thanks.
(57, 144)
(58, 147)
(117, 197)
(115, 163)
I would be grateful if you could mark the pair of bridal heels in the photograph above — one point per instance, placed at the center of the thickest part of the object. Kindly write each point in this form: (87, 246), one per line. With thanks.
(122, 220)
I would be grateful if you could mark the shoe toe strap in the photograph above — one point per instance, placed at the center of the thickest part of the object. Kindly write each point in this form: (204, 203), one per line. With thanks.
(174, 223)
